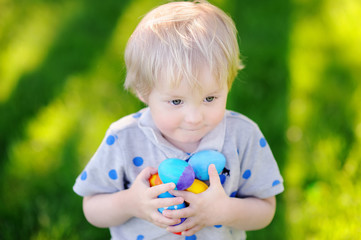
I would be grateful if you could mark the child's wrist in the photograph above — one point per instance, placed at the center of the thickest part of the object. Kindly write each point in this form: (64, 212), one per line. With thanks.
(128, 200)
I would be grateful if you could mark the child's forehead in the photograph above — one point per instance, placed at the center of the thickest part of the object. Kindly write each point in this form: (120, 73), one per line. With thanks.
(203, 83)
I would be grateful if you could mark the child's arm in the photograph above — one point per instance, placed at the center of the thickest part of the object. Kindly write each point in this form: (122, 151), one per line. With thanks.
(106, 210)
(214, 207)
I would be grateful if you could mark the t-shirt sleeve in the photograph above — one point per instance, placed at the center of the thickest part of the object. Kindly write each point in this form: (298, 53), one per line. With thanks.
(104, 173)
(260, 175)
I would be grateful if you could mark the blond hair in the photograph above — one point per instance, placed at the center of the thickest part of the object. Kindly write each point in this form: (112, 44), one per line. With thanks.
(175, 40)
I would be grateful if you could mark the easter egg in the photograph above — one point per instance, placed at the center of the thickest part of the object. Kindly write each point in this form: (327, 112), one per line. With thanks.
(174, 207)
(197, 187)
(200, 162)
(154, 180)
(165, 195)
(177, 171)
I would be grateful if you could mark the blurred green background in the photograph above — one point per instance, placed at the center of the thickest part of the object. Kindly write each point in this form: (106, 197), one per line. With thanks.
(61, 75)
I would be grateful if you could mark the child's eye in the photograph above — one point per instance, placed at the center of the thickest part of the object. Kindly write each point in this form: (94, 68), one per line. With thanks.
(209, 99)
(176, 102)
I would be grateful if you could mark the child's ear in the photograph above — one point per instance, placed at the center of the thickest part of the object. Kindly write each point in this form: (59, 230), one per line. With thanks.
(141, 98)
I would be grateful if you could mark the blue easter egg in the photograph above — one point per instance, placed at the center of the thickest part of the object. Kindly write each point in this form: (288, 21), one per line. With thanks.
(182, 220)
(177, 171)
(165, 195)
(174, 207)
(200, 162)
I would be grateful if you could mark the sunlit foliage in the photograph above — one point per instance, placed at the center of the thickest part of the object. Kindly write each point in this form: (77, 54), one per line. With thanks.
(323, 163)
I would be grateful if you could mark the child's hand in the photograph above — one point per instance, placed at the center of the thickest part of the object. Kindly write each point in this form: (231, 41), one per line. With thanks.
(205, 209)
(146, 201)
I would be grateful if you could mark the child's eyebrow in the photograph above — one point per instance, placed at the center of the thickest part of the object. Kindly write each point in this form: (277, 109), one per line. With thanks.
(172, 95)
(218, 91)
(215, 92)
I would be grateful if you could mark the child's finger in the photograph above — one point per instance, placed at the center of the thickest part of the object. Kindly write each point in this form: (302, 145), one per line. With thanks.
(187, 196)
(192, 231)
(181, 213)
(214, 179)
(167, 202)
(187, 224)
(162, 188)
(146, 173)
(163, 221)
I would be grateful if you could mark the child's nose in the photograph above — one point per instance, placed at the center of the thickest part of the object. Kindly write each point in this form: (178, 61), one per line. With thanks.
(193, 116)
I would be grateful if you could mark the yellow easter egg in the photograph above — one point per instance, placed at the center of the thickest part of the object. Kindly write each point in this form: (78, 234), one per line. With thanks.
(197, 187)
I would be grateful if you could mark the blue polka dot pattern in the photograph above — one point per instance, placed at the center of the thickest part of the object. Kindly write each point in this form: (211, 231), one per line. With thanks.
(83, 176)
(140, 237)
(275, 183)
(217, 226)
(247, 174)
(222, 178)
(193, 237)
(137, 115)
(113, 174)
(262, 142)
(110, 140)
(233, 194)
(138, 161)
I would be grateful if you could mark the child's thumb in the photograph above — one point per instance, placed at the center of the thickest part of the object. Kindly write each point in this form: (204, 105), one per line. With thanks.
(146, 173)
(213, 175)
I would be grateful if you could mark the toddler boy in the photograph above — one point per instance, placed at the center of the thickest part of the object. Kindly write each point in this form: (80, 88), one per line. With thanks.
(181, 61)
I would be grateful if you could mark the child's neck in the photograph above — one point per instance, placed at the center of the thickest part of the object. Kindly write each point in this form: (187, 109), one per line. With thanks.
(185, 147)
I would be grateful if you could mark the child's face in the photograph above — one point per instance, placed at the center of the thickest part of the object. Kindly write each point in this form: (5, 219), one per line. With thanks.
(184, 116)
